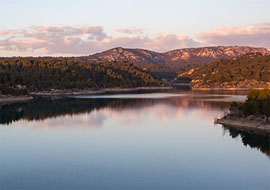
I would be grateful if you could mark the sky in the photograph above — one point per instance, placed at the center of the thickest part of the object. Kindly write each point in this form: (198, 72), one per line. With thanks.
(80, 27)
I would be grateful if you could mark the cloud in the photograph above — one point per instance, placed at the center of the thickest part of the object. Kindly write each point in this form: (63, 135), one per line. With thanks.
(85, 40)
(52, 39)
(165, 42)
(252, 35)
(130, 30)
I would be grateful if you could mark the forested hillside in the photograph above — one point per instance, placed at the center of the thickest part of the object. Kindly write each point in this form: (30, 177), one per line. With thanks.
(44, 74)
(248, 71)
(161, 65)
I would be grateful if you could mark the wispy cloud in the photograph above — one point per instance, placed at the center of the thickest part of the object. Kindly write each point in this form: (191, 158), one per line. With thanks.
(84, 40)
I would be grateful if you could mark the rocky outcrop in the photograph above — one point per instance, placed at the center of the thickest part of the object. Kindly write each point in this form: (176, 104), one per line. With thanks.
(254, 124)
(136, 56)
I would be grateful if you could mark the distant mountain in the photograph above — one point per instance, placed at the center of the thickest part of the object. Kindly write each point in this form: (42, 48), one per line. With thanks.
(165, 66)
(180, 59)
(193, 57)
(136, 56)
(247, 71)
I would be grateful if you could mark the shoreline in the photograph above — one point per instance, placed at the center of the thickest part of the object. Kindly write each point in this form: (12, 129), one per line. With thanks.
(14, 99)
(61, 93)
(224, 89)
(244, 125)
(94, 91)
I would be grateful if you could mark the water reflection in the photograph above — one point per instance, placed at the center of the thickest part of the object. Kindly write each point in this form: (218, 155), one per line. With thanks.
(160, 143)
(45, 108)
(258, 140)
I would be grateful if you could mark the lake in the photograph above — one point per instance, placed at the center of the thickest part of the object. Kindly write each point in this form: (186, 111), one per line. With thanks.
(162, 140)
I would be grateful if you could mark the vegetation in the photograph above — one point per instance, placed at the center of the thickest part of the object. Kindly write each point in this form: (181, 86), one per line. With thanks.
(15, 91)
(44, 74)
(160, 71)
(259, 94)
(182, 80)
(175, 61)
(258, 104)
(249, 71)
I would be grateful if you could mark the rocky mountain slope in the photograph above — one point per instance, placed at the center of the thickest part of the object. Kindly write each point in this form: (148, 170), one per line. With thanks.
(194, 57)
(136, 56)
(180, 59)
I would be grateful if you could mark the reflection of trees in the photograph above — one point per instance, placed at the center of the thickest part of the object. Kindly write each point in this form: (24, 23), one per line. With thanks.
(195, 102)
(43, 108)
(253, 139)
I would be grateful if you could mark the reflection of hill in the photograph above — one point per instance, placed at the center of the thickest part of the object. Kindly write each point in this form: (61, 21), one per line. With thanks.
(198, 102)
(43, 108)
(259, 141)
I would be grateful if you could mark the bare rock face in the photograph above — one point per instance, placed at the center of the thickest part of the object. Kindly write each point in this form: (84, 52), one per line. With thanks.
(183, 59)
(193, 57)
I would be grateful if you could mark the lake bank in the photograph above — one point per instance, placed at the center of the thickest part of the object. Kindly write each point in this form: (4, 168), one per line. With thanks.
(95, 91)
(223, 89)
(253, 114)
(245, 124)
(69, 92)
(13, 99)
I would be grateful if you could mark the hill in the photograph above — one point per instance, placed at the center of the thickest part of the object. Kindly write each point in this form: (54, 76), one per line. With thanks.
(136, 56)
(163, 65)
(247, 71)
(180, 59)
(37, 74)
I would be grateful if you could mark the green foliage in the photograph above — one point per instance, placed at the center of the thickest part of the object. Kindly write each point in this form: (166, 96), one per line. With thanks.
(12, 91)
(183, 80)
(233, 72)
(52, 73)
(258, 103)
(259, 94)
(253, 94)
(161, 71)
(256, 107)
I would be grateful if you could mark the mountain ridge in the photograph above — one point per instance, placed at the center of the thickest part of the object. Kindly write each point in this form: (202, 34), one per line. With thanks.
(180, 59)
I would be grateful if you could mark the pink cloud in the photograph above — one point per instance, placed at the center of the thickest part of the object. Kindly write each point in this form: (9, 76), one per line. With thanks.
(85, 40)
(165, 42)
(253, 35)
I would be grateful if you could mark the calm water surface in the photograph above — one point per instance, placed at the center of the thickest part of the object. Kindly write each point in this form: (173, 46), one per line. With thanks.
(138, 141)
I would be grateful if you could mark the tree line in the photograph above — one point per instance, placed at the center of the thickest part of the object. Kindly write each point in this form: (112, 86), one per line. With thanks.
(257, 104)
(244, 69)
(36, 74)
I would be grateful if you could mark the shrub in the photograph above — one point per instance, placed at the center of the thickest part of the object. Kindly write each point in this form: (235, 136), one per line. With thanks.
(12, 91)
(259, 94)
(253, 94)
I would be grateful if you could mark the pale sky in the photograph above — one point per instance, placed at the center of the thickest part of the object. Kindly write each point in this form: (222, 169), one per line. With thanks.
(80, 27)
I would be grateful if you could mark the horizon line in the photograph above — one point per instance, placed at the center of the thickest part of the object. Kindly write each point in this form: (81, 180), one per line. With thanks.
(59, 56)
